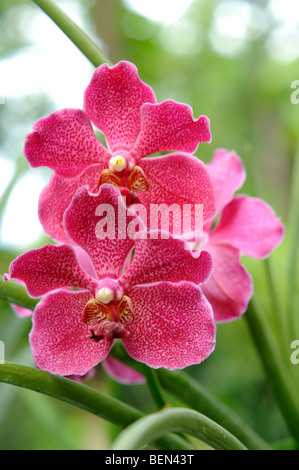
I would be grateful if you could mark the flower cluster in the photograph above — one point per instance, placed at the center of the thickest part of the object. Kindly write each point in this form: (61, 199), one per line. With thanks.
(110, 275)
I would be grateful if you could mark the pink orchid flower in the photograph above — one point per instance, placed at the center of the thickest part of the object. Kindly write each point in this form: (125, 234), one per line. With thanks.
(114, 368)
(247, 226)
(124, 109)
(155, 307)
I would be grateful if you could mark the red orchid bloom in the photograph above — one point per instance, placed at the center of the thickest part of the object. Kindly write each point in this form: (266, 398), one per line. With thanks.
(155, 307)
(124, 109)
(246, 226)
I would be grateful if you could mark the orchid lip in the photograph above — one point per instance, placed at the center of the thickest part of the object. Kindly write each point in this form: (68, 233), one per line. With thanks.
(108, 321)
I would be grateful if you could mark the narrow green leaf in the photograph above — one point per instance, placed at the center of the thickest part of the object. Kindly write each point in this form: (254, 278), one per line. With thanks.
(275, 365)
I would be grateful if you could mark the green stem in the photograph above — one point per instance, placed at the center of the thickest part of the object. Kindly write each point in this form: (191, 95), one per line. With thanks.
(80, 396)
(190, 392)
(154, 386)
(276, 368)
(293, 237)
(151, 427)
(16, 294)
(73, 32)
(178, 384)
(278, 315)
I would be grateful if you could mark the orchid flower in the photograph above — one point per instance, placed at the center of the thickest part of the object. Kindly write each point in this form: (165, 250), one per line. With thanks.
(124, 109)
(246, 226)
(155, 307)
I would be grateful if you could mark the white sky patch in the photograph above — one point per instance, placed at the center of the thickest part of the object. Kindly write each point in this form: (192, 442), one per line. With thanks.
(20, 224)
(285, 12)
(6, 172)
(283, 43)
(51, 65)
(160, 11)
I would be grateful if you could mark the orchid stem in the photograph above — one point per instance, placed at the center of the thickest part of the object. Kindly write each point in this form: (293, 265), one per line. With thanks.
(190, 392)
(84, 43)
(14, 293)
(293, 233)
(279, 317)
(277, 370)
(147, 429)
(154, 386)
(83, 397)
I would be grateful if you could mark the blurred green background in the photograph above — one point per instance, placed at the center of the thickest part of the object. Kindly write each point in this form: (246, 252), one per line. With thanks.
(234, 61)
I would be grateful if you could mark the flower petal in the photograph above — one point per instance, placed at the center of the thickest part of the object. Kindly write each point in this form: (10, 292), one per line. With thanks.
(229, 288)
(49, 268)
(169, 126)
(60, 341)
(21, 312)
(173, 326)
(122, 373)
(158, 259)
(228, 175)
(178, 179)
(113, 100)
(250, 225)
(105, 240)
(57, 196)
(65, 142)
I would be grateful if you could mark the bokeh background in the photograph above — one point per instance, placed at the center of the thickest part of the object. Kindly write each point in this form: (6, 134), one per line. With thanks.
(234, 61)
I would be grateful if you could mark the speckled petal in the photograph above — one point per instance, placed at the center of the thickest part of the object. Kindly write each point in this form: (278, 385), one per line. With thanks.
(173, 327)
(250, 225)
(113, 100)
(170, 126)
(228, 175)
(65, 142)
(60, 341)
(179, 179)
(57, 196)
(49, 268)
(99, 225)
(165, 260)
(230, 287)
